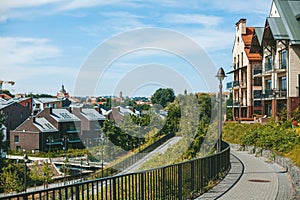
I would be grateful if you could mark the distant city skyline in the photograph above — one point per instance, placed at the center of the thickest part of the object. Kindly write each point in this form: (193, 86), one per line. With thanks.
(45, 43)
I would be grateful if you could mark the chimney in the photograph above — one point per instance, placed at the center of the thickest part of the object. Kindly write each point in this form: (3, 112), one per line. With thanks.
(70, 109)
(241, 25)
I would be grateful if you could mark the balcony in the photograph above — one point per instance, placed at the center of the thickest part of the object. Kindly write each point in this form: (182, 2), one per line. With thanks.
(233, 84)
(274, 93)
(257, 72)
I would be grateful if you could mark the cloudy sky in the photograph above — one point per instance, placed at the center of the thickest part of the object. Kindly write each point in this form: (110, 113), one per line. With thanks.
(46, 43)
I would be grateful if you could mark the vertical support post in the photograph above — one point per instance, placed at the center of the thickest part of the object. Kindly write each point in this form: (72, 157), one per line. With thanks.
(179, 181)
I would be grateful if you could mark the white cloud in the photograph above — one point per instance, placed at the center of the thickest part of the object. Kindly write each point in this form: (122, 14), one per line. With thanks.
(77, 4)
(16, 51)
(250, 6)
(8, 7)
(205, 20)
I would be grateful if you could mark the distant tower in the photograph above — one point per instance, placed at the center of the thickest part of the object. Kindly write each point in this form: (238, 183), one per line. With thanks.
(121, 96)
(62, 93)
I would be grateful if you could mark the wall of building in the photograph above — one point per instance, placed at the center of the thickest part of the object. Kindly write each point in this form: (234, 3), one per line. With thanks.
(294, 71)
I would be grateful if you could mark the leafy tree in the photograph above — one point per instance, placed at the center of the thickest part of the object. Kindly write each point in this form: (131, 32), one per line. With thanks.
(163, 96)
(12, 178)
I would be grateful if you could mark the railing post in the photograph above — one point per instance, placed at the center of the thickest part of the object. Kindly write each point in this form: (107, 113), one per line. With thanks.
(164, 183)
(114, 189)
(143, 184)
(180, 181)
(192, 176)
(77, 192)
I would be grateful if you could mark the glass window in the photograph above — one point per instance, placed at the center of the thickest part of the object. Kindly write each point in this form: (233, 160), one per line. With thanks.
(269, 84)
(282, 59)
(16, 138)
(282, 83)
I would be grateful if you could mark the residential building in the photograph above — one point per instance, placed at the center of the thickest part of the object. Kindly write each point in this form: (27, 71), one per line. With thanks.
(68, 125)
(35, 134)
(15, 114)
(91, 123)
(279, 47)
(40, 104)
(245, 64)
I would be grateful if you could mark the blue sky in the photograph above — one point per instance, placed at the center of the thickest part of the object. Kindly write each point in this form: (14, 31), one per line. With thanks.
(44, 43)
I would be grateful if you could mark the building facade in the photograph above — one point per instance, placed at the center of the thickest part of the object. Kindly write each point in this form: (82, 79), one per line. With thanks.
(245, 64)
(279, 47)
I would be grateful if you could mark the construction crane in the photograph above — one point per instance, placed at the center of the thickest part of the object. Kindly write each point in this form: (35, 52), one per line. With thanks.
(8, 82)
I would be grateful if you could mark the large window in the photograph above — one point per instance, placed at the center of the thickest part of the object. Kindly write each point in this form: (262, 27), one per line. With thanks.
(268, 63)
(282, 83)
(282, 59)
(268, 84)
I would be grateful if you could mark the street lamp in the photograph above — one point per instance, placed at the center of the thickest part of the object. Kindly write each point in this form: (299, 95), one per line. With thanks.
(220, 75)
(102, 139)
(26, 160)
(49, 141)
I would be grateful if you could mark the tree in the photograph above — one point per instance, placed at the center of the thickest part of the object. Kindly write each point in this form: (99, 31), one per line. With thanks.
(12, 178)
(163, 96)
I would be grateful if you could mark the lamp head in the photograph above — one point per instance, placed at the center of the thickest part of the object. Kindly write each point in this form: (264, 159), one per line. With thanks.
(220, 74)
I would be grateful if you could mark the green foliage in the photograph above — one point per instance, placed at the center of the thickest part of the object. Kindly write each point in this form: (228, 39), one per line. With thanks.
(163, 96)
(12, 177)
(8, 93)
(40, 95)
(278, 137)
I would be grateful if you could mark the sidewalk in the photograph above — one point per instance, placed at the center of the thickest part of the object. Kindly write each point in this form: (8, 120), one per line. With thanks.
(251, 177)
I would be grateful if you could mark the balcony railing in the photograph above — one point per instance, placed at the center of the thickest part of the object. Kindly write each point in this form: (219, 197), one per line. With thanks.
(257, 71)
(233, 84)
(177, 181)
(274, 94)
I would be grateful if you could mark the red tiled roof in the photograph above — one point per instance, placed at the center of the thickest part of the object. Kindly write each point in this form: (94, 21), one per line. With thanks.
(247, 38)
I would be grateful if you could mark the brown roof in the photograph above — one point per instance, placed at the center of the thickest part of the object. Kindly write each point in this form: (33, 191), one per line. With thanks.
(247, 38)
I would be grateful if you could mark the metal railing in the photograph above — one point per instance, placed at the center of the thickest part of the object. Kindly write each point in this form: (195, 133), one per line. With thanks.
(178, 181)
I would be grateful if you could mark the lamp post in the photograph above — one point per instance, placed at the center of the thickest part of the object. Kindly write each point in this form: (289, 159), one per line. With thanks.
(50, 141)
(102, 139)
(220, 75)
(26, 160)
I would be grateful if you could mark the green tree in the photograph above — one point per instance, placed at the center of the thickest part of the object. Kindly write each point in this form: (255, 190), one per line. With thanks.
(163, 96)
(12, 178)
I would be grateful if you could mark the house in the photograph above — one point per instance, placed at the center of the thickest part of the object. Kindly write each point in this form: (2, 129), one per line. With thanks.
(279, 47)
(68, 125)
(116, 114)
(14, 113)
(40, 104)
(245, 64)
(35, 134)
(91, 123)
(266, 64)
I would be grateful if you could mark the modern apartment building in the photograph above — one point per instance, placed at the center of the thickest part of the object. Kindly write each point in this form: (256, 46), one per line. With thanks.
(245, 65)
(279, 46)
(266, 63)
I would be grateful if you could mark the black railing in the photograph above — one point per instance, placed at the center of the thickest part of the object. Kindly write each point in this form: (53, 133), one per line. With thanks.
(178, 181)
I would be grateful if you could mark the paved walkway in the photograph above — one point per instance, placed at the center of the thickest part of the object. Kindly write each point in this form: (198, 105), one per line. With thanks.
(251, 178)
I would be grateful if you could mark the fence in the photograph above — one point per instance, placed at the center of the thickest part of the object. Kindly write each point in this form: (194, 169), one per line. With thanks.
(179, 181)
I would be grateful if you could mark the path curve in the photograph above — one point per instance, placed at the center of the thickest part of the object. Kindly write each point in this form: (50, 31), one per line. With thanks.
(251, 177)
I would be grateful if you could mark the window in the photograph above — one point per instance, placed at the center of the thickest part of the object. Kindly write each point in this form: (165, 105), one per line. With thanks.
(282, 59)
(268, 63)
(242, 61)
(16, 139)
(282, 83)
(269, 84)
(27, 104)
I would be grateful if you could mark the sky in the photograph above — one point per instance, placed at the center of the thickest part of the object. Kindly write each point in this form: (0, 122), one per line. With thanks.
(132, 46)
